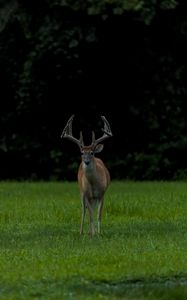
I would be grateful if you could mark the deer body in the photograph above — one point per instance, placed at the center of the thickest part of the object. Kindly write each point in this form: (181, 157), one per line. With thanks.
(93, 176)
(93, 181)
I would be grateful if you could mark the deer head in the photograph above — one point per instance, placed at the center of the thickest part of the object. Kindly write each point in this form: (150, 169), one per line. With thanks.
(95, 147)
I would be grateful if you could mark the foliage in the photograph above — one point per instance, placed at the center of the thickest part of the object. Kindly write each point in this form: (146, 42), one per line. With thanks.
(62, 57)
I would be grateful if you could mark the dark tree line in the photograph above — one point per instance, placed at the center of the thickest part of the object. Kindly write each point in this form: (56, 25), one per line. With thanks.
(122, 59)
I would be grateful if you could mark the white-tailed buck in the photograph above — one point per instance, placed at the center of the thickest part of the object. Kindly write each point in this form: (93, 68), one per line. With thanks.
(93, 176)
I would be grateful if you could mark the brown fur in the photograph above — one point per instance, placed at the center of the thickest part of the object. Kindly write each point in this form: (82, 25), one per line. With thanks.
(93, 184)
(93, 176)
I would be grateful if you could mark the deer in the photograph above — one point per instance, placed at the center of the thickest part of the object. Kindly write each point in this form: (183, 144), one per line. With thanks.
(93, 176)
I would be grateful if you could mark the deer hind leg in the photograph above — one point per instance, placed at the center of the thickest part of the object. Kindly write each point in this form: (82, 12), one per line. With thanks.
(99, 215)
(82, 214)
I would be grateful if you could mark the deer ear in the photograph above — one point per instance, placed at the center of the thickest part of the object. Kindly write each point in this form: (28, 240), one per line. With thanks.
(98, 148)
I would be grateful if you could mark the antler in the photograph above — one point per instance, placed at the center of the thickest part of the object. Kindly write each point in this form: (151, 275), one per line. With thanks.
(67, 133)
(107, 132)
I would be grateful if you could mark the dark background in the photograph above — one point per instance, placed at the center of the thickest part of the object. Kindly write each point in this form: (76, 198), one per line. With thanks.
(126, 60)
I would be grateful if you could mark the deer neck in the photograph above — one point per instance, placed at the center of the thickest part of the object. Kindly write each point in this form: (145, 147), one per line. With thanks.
(90, 170)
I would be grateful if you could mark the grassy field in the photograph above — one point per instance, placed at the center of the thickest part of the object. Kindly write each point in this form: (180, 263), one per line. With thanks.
(141, 254)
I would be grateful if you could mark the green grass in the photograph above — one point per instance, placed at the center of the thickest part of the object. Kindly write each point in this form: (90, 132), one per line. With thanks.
(141, 254)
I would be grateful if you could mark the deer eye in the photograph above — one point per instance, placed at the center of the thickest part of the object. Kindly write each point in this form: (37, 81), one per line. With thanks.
(91, 152)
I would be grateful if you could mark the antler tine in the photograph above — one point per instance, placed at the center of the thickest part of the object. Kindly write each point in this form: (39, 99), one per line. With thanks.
(93, 137)
(81, 139)
(107, 131)
(68, 128)
(67, 133)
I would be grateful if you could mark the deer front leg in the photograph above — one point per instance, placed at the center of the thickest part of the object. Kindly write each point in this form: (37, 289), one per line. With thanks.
(82, 214)
(91, 216)
(99, 216)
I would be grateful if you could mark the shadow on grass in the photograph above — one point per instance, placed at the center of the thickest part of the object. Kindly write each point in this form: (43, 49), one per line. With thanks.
(79, 288)
(166, 289)
(46, 233)
(41, 234)
(144, 228)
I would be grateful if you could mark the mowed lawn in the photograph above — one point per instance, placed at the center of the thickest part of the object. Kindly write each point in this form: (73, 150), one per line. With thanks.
(141, 254)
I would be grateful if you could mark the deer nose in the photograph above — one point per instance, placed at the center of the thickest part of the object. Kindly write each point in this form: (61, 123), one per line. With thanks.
(87, 162)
